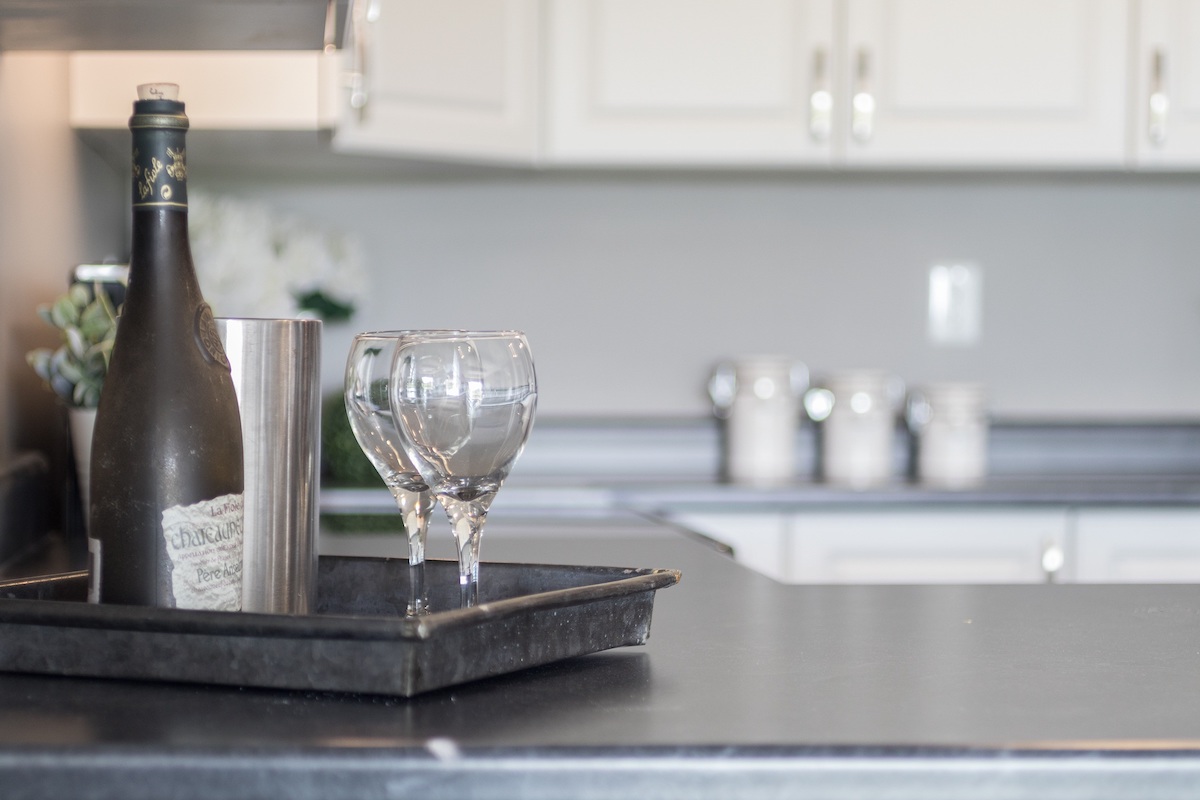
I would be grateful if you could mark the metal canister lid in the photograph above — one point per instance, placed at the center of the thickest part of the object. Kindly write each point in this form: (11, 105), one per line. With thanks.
(100, 273)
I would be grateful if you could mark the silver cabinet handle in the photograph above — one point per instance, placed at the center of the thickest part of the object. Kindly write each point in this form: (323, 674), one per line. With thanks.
(363, 14)
(820, 102)
(1053, 558)
(1160, 101)
(862, 104)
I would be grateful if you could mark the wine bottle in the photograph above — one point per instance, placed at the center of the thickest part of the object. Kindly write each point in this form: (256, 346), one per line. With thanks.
(166, 512)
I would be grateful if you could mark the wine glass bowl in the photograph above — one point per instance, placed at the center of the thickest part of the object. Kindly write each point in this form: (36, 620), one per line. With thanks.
(464, 404)
(368, 407)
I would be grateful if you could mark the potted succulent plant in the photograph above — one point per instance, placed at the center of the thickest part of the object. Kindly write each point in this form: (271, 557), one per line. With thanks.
(75, 370)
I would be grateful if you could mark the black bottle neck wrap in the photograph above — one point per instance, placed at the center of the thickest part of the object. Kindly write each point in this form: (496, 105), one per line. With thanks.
(159, 156)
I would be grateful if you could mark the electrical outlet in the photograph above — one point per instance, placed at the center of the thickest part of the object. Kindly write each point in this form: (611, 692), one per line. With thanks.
(955, 304)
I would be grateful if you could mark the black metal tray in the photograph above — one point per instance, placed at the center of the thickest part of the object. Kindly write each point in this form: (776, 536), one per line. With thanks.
(359, 639)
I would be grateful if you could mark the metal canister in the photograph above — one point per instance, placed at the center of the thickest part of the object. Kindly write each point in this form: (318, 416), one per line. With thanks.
(949, 424)
(757, 398)
(857, 412)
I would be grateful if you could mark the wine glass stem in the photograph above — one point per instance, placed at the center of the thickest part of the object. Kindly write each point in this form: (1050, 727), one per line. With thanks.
(466, 519)
(414, 510)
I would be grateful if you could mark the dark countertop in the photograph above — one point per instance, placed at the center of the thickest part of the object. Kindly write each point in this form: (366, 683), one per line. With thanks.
(747, 688)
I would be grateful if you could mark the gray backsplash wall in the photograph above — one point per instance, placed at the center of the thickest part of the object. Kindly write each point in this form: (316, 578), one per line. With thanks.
(631, 286)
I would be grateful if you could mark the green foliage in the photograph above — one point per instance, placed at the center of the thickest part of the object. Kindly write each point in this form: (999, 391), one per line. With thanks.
(75, 370)
(345, 465)
(343, 461)
(324, 306)
(388, 524)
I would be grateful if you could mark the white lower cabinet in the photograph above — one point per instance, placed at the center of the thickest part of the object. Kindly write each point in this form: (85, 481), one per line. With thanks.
(1067, 544)
(893, 546)
(759, 541)
(1137, 545)
(926, 546)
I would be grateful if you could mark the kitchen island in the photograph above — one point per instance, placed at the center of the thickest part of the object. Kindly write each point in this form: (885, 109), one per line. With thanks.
(747, 688)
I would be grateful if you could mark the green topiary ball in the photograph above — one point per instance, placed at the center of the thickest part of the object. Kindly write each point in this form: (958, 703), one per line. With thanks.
(343, 462)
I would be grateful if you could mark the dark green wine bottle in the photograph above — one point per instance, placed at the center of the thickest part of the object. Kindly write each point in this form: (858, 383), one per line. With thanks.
(166, 513)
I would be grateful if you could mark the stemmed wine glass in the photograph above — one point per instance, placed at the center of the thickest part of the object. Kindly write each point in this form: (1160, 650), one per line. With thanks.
(368, 405)
(464, 403)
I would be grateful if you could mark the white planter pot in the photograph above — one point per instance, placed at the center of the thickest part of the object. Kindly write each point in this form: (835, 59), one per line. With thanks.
(81, 422)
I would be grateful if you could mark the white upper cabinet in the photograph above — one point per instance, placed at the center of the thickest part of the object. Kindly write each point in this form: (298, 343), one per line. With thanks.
(1165, 118)
(685, 82)
(817, 84)
(986, 82)
(861, 82)
(452, 78)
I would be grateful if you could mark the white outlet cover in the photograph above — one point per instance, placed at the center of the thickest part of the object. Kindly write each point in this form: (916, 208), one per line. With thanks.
(955, 304)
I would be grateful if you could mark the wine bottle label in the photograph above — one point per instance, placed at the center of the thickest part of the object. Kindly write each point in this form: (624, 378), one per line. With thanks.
(204, 547)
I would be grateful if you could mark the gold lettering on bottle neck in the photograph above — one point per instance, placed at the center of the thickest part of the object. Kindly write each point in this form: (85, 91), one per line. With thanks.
(178, 166)
(147, 176)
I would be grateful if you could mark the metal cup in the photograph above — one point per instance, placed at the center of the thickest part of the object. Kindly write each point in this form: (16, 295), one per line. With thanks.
(276, 365)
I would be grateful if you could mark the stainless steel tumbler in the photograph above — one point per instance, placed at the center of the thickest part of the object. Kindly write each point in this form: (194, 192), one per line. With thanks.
(276, 367)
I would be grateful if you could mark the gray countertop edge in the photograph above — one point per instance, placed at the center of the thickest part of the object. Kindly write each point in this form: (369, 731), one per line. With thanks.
(663, 496)
(433, 772)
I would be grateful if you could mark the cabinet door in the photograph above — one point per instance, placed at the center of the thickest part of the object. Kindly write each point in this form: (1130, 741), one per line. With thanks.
(898, 546)
(1166, 111)
(987, 82)
(680, 82)
(757, 540)
(1137, 546)
(454, 78)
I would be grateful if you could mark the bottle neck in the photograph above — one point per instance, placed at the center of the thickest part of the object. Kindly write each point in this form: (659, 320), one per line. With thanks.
(159, 168)
(159, 222)
(160, 261)
(159, 191)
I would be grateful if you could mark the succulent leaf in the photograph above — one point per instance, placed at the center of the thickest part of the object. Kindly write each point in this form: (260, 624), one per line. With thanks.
(63, 313)
(79, 295)
(66, 367)
(87, 321)
(86, 395)
(62, 387)
(95, 322)
(105, 302)
(39, 359)
(76, 344)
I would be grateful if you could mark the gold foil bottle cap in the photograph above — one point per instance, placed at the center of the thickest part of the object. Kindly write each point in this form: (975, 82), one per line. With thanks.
(158, 91)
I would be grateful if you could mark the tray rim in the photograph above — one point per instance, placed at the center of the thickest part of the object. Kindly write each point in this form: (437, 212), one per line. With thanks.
(148, 619)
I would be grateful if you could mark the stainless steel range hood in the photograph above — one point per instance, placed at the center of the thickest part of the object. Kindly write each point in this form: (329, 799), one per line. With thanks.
(170, 24)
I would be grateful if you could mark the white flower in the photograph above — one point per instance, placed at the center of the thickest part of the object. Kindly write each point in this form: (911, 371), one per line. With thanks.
(251, 263)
